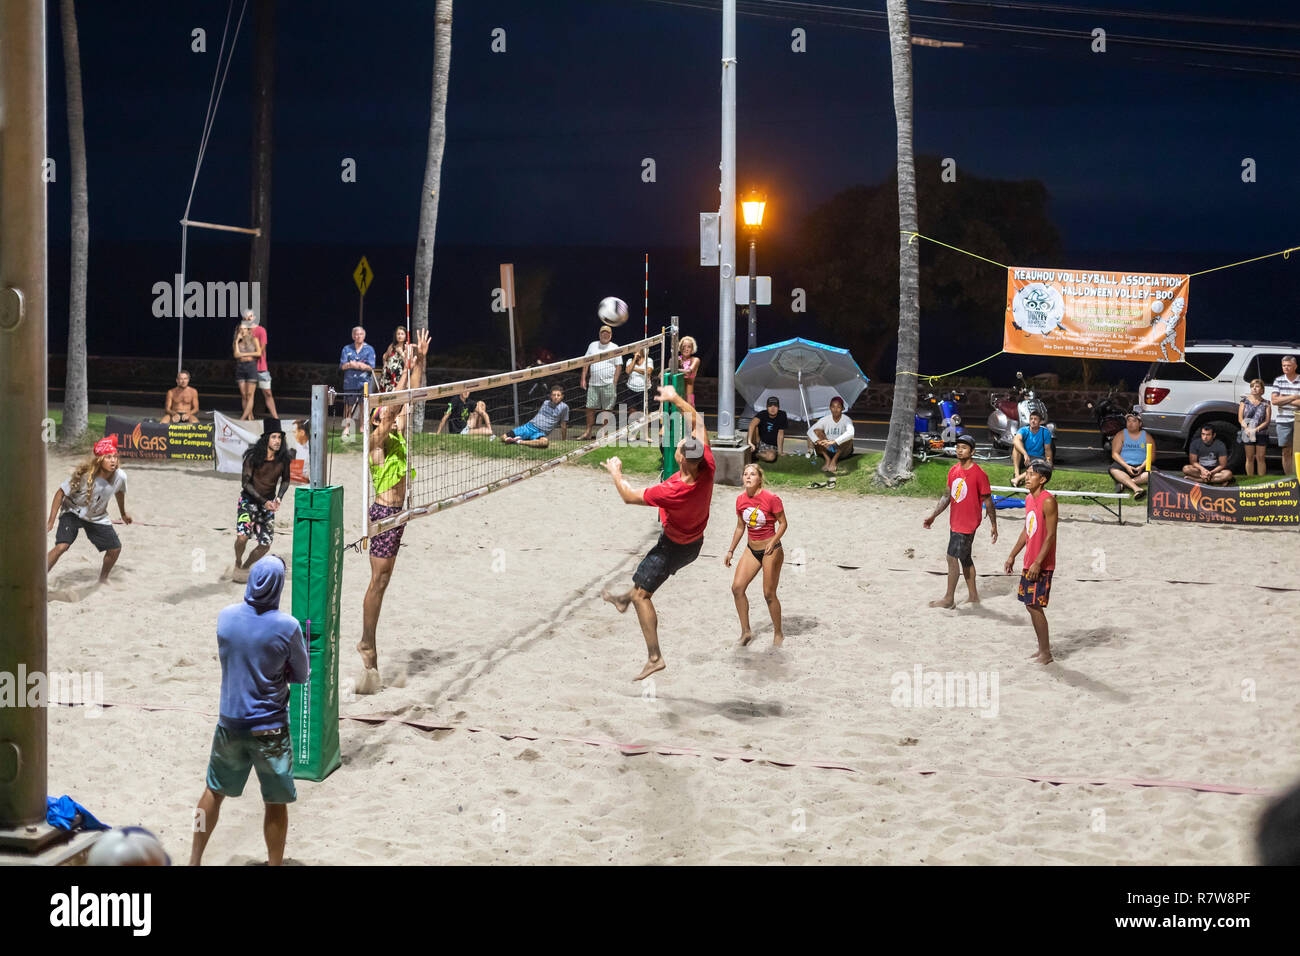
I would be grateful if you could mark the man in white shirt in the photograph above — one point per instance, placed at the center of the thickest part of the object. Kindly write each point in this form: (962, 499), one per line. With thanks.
(831, 436)
(600, 379)
(1286, 396)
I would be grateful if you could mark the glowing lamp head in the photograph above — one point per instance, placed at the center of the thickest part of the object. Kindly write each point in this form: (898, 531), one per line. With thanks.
(752, 209)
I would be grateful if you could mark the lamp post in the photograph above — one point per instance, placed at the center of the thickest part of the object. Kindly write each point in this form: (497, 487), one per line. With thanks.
(752, 209)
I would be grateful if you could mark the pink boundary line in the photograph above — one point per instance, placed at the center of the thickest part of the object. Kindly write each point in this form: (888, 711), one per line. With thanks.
(666, 750)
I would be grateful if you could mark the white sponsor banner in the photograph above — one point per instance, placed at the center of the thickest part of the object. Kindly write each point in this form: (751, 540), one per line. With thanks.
(232, 438)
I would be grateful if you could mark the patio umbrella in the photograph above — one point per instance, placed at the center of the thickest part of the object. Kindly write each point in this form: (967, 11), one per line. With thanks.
(804, 375)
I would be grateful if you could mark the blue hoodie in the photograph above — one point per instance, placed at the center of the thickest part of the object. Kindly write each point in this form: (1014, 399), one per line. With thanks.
(262, 652)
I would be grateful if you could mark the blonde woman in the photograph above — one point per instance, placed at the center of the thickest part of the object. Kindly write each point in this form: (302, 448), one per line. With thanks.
(81, 504)
(762, 515)
(247, 350)
(1254, 414)
(690, 364)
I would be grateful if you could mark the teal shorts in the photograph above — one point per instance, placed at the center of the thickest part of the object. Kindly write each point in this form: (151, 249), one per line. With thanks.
(235, 752)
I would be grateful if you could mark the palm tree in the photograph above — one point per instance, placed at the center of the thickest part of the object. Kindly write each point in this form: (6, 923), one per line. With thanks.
(896, 464)
(75, 402)
(432, 176)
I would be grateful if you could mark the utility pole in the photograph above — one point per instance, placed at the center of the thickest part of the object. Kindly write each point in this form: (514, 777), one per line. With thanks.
(727, 233)
(23, 270)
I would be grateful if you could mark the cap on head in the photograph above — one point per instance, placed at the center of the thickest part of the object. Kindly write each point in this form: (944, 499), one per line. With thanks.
(1134, 414)
(692, 448)
(966, 440)
(773, 400)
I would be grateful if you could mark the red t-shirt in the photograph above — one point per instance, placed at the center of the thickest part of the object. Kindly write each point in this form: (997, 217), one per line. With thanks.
(967, 487)
(684, 507)
(759, 513)
(259, 333)
(1036, 532)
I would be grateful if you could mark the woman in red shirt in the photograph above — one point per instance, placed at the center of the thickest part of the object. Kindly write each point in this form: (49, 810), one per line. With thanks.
(762, 514)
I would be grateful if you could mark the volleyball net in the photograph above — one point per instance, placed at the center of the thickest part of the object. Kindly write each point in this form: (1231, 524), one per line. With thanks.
(484, 434)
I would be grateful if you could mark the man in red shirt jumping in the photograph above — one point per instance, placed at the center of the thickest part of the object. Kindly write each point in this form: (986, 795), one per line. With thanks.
(969, 493)
(683, 503)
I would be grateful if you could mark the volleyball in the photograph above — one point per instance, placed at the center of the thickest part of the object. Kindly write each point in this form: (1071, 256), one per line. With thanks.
(612, 311)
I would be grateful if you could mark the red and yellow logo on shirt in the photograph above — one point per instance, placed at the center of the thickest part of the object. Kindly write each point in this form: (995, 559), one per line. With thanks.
(754, 518)
(959, 489)
(1031, 523)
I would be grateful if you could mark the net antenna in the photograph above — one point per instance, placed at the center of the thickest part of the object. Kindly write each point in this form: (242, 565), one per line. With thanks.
(214, 101)
(479, 453)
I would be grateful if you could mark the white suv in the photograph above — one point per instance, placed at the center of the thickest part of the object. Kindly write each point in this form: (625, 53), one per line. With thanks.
(1176, 399)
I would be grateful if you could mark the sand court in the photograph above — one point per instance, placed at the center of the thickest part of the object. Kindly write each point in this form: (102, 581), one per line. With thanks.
(857, 741)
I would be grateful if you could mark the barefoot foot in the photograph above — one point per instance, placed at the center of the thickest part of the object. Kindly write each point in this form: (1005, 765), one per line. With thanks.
(369, 656)
(746, 637)
(369, 683)
(778, 639)
(620, 601)
(944, 602)
(651, 666)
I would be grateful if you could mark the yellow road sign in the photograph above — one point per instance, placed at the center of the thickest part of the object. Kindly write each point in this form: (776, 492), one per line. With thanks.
(362, 275)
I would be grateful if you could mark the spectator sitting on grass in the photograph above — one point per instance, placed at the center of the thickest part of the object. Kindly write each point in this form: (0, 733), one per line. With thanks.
(1207, 459)
(1032, 441)
(1128, 449)
(536, 434)
(832, 436)
(767, 431)
(182, 403)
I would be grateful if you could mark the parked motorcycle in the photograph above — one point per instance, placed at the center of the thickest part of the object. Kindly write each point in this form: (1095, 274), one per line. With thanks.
(1011, 412)
(936, 431)
(1110, 414)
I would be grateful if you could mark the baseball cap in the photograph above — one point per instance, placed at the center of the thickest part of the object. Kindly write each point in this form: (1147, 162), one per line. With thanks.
(692, 448)
(773, 400)
(966, 440)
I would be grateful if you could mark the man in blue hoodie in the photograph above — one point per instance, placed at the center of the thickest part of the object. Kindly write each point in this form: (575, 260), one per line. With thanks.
(262, 652)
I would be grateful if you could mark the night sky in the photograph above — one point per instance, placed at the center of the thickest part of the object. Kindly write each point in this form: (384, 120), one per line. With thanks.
(1140, 149)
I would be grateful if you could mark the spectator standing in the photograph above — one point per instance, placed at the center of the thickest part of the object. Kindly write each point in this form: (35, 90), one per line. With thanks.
(690, 365)
(263, 370)
(1253, 414)
(182, 402)
(262, 652)
(247, 349)
(397, 358)
(358, 363)
(1286, 396)
(600, 379)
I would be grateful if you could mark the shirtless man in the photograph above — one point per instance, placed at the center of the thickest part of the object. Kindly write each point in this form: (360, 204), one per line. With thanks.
(683, 503)
(388, 472)
(182, 403)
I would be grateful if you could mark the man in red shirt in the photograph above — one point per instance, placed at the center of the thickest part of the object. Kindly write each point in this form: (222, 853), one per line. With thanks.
(683, 503)
(1038, 538)
(969, 493)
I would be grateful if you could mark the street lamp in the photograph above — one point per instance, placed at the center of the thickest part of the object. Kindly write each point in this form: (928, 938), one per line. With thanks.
(752, 209)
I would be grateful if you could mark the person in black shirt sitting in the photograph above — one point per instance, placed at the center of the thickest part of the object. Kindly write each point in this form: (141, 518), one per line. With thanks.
(462, 419)
(767, 431)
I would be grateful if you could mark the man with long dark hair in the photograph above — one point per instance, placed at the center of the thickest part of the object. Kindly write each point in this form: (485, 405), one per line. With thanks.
(265, 480)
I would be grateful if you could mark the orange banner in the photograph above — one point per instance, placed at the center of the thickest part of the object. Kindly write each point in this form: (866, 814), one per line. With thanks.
(1138, 317)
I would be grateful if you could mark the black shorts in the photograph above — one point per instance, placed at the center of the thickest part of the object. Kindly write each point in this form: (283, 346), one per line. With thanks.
(664, 560)
(959, 545)
(246, 371)
(760, 553)
(102, 536)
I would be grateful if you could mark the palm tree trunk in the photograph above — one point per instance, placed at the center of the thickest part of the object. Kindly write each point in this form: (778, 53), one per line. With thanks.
(896, 464)
(259, 263)
(75, 404)
(432, 176)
